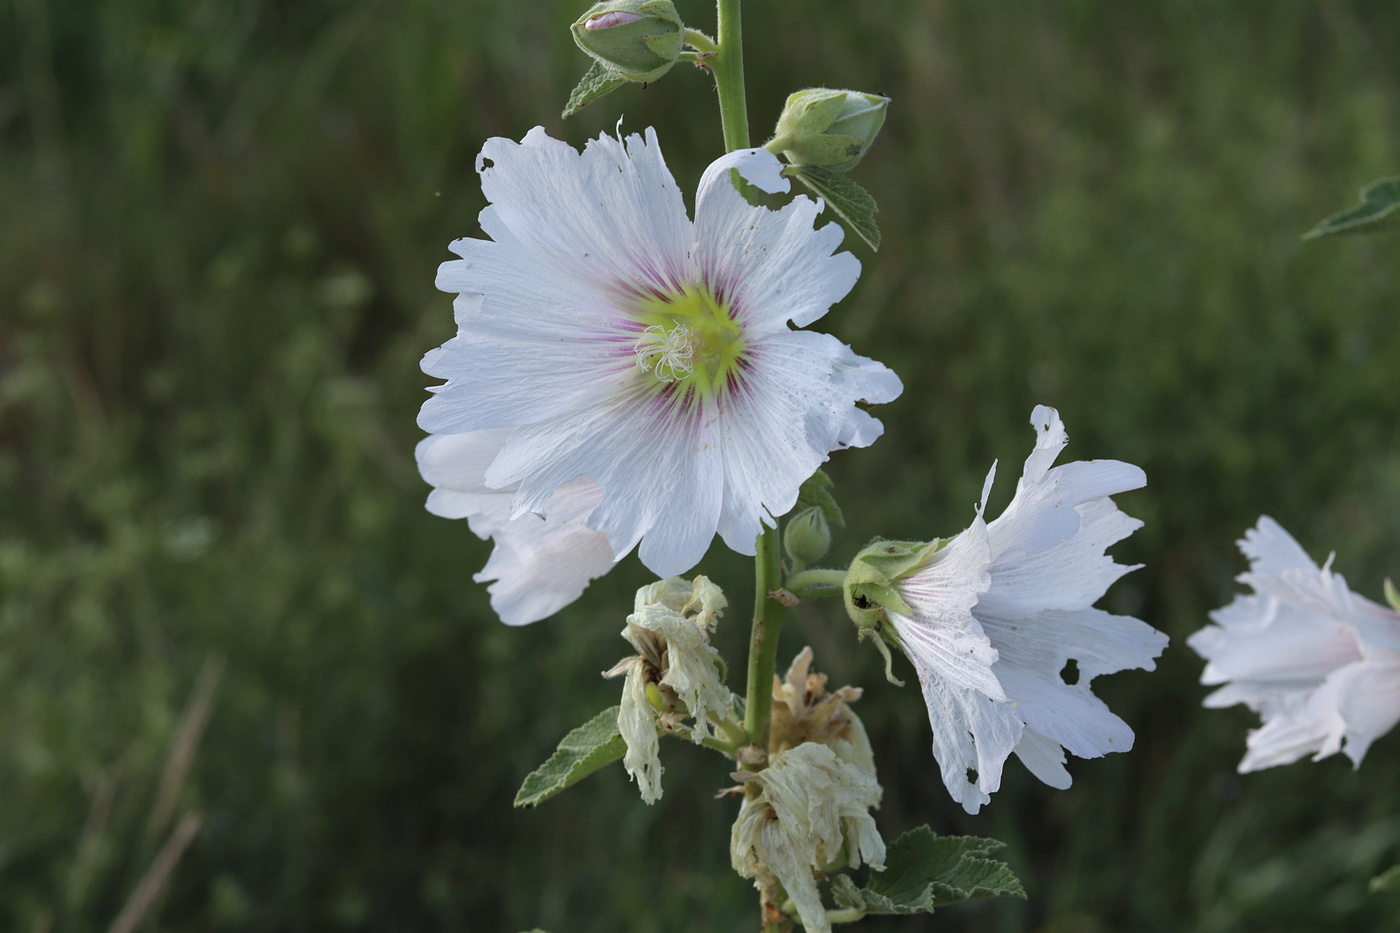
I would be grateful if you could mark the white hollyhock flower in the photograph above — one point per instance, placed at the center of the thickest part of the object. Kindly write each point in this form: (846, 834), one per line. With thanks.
(812, 804)
(670, 628)
(992, 619)
(623, 370)
(1319, 663)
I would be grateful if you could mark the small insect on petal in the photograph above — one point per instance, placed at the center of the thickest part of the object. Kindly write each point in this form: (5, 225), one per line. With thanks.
(613, 18)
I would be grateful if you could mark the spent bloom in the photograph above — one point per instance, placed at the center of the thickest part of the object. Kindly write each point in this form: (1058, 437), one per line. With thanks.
(992, 618)
(630, 378)
(675, 675)
(1319, 663)
(812, 815)
(803, 711)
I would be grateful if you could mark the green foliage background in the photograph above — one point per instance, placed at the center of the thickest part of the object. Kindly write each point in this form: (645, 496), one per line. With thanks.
(221, 222)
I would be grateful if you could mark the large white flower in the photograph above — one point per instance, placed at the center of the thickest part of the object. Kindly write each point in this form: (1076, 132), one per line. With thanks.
(992, 619)
(1319, 663)
(629, 374)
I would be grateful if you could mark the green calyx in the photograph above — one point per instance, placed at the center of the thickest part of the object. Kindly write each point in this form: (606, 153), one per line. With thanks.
(870, 590)
(638, 40)
(690, 341)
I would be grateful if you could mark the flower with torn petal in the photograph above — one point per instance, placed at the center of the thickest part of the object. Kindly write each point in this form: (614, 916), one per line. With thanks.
(1319, 663)
(992, 618)
(648, 359)
(675, 675)
(813, 815)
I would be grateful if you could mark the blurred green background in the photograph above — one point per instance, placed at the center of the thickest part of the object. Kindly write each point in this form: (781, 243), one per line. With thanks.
(220, 226)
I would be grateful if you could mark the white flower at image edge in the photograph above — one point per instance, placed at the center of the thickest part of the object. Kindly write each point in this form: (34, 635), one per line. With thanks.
(624, 377)
(1000, 611)
(1319, 663)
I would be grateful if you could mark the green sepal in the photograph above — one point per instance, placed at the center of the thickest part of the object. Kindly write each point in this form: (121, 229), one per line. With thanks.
(1387, 881)
(870, 581)
(583, 751)
(828, 150)
(849, 200)
(817, 492)
(924, 870)
(1392, 595)
(596, 82)
(1379, 209)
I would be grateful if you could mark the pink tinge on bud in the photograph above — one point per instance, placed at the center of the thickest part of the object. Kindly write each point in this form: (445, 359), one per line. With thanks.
(614, 18)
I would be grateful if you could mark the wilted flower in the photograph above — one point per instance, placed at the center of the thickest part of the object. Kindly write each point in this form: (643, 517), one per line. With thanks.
(609, 347)
(1319, 663)
(803, 711)
(813, 815)
(670, 628)
(992, 618)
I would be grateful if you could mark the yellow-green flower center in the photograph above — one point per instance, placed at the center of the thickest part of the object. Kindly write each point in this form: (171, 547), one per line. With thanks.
(690, 340)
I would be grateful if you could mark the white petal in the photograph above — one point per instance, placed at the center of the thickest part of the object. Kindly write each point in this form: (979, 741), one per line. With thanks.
(540, 564)
(771, 264)
(796, 404)
(1070, 715)
(1044, 758)
(1369, 700)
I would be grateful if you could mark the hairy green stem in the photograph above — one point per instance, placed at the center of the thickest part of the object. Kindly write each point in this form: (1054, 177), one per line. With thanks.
(763, 642)
(818, 581)
(727, 65)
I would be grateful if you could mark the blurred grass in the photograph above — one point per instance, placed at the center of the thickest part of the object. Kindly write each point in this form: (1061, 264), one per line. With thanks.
(221, 228)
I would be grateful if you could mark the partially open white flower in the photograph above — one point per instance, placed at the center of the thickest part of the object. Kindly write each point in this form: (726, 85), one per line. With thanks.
(1319, 663)
(992, 620)
(640, 365)
(813, 813)
(670, 629)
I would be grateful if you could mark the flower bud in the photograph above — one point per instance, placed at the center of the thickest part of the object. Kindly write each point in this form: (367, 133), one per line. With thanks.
(807, 536)
(831, 129)
(635, 39)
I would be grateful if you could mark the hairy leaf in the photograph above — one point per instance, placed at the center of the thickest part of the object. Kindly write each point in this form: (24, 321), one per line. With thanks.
(843, 195)
(580, 753)
(924, 871)
(596, 82)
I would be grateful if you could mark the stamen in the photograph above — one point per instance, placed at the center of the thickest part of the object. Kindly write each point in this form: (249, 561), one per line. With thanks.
(666, 354)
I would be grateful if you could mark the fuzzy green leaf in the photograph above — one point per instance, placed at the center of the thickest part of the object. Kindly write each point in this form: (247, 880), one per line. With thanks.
(924, 871)
(1379, 209)
(583, 751)
(817, 492)
(844, 196)
(596, 82)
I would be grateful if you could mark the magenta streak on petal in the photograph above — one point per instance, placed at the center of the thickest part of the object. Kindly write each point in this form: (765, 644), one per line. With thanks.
(615, 18)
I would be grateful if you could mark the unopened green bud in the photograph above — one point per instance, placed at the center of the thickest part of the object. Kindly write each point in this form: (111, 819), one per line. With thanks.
(635, 39)
(807, 536)
(831, 129)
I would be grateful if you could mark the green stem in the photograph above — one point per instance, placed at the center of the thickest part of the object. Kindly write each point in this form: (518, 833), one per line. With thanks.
(849, 915)
(818, 581)
(699, 41)
(728, 69)
(763, 642)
